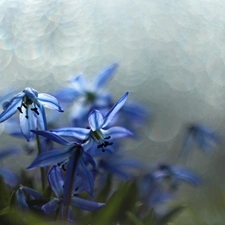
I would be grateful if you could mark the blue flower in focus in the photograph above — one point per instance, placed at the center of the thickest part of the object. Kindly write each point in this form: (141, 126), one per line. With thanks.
(31, 105)
(200, 135)
(98, 130)
(56, 182)
(90, 95)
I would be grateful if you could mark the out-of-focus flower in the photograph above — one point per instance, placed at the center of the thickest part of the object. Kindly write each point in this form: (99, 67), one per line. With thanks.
(31, 105)
(25, 196)
(90, 95)
(200, 135)
(98, 130)
(8, 176)
(56, 182)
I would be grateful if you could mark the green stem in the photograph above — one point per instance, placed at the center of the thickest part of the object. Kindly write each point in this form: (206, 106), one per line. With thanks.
(41, 169)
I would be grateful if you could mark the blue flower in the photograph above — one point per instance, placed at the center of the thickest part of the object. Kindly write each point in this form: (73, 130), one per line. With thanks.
(98, 130)
(31, 105)
(200, 135)
(8, 176)
(56, 182)
(90, 95)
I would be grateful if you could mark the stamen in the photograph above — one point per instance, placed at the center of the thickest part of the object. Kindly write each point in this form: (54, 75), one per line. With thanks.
(20, 110)
(107, 137)
(24, 105)
(35, 110)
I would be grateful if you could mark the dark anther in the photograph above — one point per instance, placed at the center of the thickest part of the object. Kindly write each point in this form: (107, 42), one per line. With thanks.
(63, 167)
(101, 145)
(76, 189)
(35, 110)
(107, 137)
(103, 150)
(58, 164)
(20, 110)
(26, 116)
(24, 105)
(106, 143)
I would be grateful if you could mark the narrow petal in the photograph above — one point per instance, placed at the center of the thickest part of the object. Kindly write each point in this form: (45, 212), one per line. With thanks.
(113, 111)
(70, 215)
(10, 110)
(117, 132)
(105, 76)
(21, 200)
(27, 123)
(6, 152)
(79, 84)
(56, 181)
(86, 204)
(95, 120)
(67, 95)
(9, 177)
(52, 136)
(51, 206)
(49, 101)
(41, 118)
(50, 158)
(75, 132)
(32, 192)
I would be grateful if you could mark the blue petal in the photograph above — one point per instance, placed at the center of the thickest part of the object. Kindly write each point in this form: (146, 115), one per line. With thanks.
(186, 175)
(21, 200)
(56, 181)
(104, 76)
(75, 132)
(50, 158)
(67, 95)
(117, 132)
(49, 101)
(9, 177)
(70, 175)
(7, 152)
(79, 84)
(85, 204)
(113, 111)
(51, 206)
(70, 215)
(88, 159)
(32, 94)
(32, 192)
(95, 120)
(28, 124)
(10, 110)
(41, 118)
(52, 136)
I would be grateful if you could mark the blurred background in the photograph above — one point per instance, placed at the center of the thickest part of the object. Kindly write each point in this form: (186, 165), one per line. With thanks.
(171, 57)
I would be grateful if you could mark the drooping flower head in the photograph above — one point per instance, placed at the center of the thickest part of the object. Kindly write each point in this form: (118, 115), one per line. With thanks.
(31, 105)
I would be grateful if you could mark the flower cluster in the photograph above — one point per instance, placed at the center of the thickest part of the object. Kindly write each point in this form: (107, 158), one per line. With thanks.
(79, 161)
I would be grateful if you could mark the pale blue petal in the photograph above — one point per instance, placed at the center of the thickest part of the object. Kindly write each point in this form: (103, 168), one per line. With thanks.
(56, 181)
(105, 76)
(28, 124)
(75, 132)
(79, 84)
(67, 95)
(113, 111)
(51, 206)
(10, 110)
(95, 120)
(117, 132)
(49, 101)
(85, 204)
(41, 118)
(52, 136)
(50, 158)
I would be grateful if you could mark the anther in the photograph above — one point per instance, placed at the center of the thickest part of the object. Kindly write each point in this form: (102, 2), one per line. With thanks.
(35, 110)
(20, 110)
(24, 105)
(107, 137)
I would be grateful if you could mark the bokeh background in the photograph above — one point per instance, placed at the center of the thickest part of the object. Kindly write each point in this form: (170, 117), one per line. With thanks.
(171, 55)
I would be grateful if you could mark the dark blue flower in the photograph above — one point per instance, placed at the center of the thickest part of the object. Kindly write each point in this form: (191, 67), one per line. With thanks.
(56, 182)
(31, 105)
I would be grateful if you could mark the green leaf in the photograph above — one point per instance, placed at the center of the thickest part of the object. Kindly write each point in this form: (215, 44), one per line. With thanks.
(4, 211)
(133, 219)
(151, 218)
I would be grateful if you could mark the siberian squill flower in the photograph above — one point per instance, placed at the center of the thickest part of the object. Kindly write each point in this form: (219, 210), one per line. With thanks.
(98, 130)
(89, 94)
(31, 105)
(56, 182)
(200, 135)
